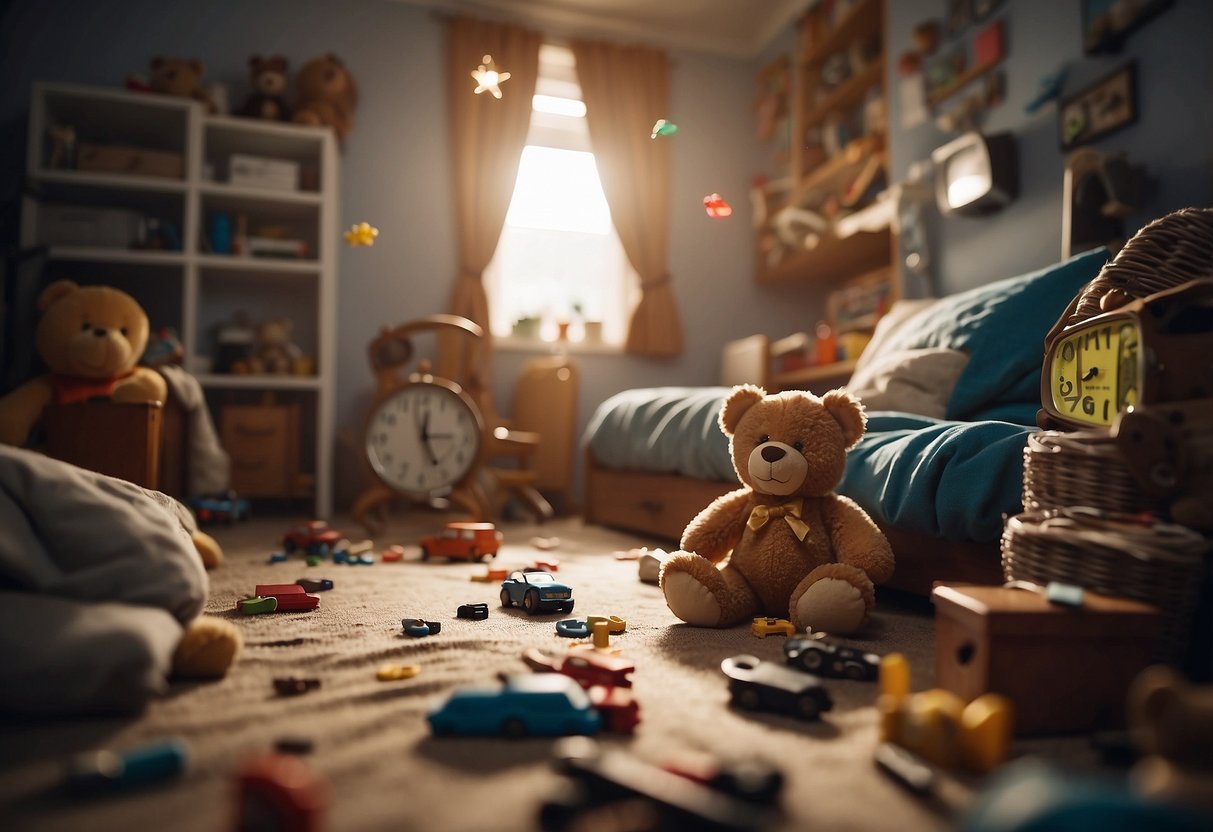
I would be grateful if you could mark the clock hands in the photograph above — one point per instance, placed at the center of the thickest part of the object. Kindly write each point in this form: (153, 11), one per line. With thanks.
(1091, 373)
(425, 438)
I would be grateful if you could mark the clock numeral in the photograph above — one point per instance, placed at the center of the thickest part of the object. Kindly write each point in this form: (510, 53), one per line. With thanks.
(1105, 410)
(1067, 351)
(1088, 405)
(1065, 387)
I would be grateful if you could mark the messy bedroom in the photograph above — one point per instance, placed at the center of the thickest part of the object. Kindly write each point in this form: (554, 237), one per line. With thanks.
(606, 415)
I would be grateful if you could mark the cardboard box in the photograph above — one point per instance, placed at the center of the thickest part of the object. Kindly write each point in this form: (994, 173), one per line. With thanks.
(1066, 669)
(262, 172)
(78, 225)
(136, 161)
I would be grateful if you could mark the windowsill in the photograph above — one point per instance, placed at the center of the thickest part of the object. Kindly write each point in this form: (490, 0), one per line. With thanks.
(509, 343)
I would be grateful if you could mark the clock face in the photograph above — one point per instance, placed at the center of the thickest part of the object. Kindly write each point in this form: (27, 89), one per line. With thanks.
(1093, 371)
(423, 439)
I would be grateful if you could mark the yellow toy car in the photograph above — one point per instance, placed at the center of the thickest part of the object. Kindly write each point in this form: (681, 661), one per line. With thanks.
(763, 627)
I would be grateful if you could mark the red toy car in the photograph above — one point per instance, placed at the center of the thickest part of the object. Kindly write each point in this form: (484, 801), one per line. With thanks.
(618, 706)
(314, 537)
(466, 541)
(281, 792)
(587, 667)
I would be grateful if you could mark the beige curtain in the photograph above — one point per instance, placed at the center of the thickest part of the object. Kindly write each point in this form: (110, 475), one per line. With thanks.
(487, 136)
(626, 90)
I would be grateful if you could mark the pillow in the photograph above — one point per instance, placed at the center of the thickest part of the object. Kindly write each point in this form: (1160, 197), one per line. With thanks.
(910, 381)
(1001, 326)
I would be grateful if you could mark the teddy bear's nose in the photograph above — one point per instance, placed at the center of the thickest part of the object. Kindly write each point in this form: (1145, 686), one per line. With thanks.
(773, 454)
(100, 333)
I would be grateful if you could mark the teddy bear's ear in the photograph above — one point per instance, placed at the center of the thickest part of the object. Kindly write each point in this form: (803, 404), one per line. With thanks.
(848, 413)
(743, 397)
(55, 291)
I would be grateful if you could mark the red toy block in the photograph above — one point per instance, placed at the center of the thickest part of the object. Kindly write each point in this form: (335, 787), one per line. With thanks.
(290, 596)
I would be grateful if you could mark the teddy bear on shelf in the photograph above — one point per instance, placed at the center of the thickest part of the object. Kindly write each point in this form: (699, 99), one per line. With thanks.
(327, 95)
(268, 98)
(797, 549)
(181, 77)
(91, 338)
(273, 350)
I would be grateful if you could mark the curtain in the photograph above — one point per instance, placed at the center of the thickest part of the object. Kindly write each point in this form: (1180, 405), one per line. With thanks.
(626, 90)
(487, 136)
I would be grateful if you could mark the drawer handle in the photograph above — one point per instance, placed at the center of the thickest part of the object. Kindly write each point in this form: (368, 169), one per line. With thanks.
(651, 505)
(251, 431)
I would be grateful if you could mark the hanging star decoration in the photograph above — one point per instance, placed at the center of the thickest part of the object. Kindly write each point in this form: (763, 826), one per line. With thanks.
(663, 128)
(362, 234)
(488, 78)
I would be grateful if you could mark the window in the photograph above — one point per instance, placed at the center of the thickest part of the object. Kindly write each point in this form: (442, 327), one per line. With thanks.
(559, 264)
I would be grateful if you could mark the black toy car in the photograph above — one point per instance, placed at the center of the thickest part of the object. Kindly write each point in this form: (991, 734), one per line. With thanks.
(757, 685)
(476, 612)
(813, 654)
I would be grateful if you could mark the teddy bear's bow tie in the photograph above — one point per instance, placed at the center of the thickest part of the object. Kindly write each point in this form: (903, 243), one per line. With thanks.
(789, 511)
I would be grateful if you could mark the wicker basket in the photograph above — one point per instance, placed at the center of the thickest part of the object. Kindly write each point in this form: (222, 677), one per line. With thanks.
(1083, 468)
(1113, 554)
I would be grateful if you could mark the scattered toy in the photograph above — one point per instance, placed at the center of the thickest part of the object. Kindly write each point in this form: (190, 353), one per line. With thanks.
(587, 668)
(758, 685)
(340, 557)
(906, 767)
(219, 508)
(276, 557)
(630, 554)
(545, 544)
(293, 686)
(291, 597)
(650, 564)
(765, 626)
(278, 792)
(573, 628)
(536, 704)
(615, 624)
(753, 781)
(315, 584)
(294, 745)
(392, 554)
(536, 592)
(416, 627)
(463, 541)
(550, 565)
(100, 771)
(313, 560)
(475, 612)
(257, 605)
(395, 672)
(618, 706)
(813, 654)
(314, 537)
(491, 576)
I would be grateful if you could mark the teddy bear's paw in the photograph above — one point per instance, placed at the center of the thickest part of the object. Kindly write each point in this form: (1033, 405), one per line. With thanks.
(208, 549)
(831, 605)
(141, 387)
(690, 600)
(208, 648)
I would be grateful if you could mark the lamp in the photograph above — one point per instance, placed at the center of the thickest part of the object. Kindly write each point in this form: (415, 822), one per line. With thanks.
(976, 174)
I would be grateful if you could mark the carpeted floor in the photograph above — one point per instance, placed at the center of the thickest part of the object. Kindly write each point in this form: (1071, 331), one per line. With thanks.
(371, 739)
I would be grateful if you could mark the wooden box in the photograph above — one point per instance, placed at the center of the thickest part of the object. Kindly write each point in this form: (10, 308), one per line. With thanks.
(1066, 669)
(263, 443)
(117, 439)
(136, 161)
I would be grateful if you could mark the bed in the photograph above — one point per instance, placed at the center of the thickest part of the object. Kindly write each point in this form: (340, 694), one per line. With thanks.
(951, 387)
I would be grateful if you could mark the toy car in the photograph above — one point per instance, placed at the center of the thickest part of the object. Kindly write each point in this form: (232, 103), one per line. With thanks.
(463, 541)
(814, 654)
(291, 597)
(758, 685)
(220, 508)
(294, 686)
(590, 668)
(536, 592)
(315, 584)
(476, 612)
(314, 537)
(536, 704)
(279, 792)
(618, 706)
(763, 627)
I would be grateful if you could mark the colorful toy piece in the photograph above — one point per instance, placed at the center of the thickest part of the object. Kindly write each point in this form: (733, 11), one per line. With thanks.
(293, 686)
(589, 668)
(573, 628)
(361, 234)
(545, 565)
(257, 605)
(937, 724)
(813, 654)
(535, 704)
(416, 627)
(291, 597)
(463, 541)
(475, 612)
(716, 207)
(618, 706)
(536, 592)
(757, 685)
(395, 672)
(392, 554)
(220, 508)
(279, 792)
(765, 626)
(315, 537)
(98, 771)
(490, 576)
(276, 557)
(663, 128)
(315, 584)
(615, 624)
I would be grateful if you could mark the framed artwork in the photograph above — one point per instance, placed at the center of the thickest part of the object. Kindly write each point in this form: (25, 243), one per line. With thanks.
(1104, 107)
(1106, 24)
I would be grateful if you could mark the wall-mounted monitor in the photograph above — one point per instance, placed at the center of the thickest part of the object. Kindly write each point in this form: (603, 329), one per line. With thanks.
(976, 174)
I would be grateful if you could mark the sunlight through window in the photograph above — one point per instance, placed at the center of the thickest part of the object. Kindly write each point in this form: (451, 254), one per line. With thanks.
(558, 190)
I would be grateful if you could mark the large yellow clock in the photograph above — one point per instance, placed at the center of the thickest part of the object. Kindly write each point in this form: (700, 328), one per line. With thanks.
(1156, 349)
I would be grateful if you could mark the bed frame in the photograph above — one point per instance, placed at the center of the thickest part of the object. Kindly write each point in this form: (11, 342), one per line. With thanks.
(661, 505)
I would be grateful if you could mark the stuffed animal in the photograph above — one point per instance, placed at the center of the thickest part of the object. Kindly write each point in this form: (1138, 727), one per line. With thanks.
(273, 351)
(798, 549)
(181, 77)
(268, 98)
(91, 338)
(326, 95)
(1171, 723)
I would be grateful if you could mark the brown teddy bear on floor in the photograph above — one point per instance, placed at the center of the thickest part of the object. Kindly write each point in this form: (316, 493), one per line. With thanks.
(181, 77)
(798, 549)
(268, 98)
(327, 95)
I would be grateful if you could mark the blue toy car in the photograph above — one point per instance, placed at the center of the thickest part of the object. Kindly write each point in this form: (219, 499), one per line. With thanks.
(536, 704)
(220, 508)
(536, 592)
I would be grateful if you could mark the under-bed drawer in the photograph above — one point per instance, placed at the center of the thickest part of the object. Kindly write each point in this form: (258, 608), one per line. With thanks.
(657, 504)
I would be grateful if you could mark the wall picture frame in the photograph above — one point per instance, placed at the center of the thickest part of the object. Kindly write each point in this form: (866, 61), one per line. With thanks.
(1108, 105)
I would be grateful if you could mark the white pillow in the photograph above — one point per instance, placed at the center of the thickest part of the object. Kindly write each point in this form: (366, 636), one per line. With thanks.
(911, 381)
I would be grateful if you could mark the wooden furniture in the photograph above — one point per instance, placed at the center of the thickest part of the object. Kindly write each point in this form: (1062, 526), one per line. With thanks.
(117, 439)
(545, 404)
(1066, 669)
(263, 442)
(159, 233)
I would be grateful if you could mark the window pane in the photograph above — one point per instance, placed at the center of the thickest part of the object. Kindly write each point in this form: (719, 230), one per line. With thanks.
(558, 190)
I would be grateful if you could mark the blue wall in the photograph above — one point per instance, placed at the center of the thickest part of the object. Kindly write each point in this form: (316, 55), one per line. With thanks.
(1173, 136)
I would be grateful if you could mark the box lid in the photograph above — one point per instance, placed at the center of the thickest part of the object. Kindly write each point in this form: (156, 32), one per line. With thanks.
(998, 610)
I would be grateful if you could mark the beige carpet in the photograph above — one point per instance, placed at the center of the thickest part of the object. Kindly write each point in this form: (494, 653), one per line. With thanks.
(371, 738)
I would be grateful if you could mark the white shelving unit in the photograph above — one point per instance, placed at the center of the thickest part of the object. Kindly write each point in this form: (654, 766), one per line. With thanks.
(193, 289)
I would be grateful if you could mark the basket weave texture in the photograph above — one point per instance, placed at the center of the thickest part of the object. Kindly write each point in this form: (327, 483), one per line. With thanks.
(1082, 468)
